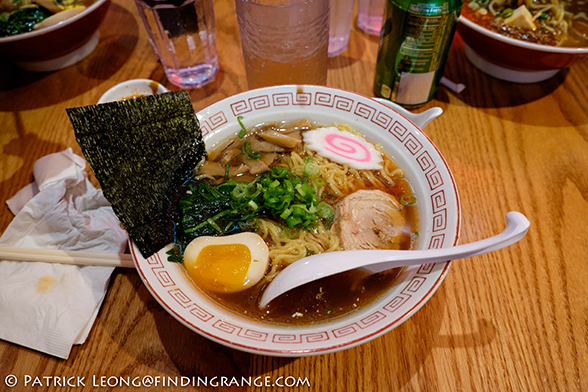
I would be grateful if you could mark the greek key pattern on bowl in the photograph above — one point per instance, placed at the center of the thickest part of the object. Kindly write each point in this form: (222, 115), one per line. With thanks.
(213, 122)
(411, 289)
(180, 297)
(200, 313)
(437, 241)
(253, 335)
(286, 99)
(364, 323)
(301, 338)
(159, 271)
(425, 269)
(333, 101)
(155, 261)
(163, 277)
(224, 326)
(382, 119)
(396, 302)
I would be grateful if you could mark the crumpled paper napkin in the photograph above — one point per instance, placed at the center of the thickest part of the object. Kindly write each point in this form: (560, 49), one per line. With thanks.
(50, 307)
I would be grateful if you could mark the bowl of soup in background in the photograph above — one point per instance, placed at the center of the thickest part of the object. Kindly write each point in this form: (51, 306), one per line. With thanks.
(512, 59)
(57, 46)
(438, 215)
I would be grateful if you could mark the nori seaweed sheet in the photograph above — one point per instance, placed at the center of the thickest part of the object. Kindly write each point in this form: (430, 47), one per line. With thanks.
(141, 150)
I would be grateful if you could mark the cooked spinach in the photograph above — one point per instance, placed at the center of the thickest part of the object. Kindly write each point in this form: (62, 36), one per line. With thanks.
(21, 21)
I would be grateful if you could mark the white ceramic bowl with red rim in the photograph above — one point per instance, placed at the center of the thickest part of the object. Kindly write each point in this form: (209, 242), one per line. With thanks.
(406, 144)
(57, 46)
(515, 60)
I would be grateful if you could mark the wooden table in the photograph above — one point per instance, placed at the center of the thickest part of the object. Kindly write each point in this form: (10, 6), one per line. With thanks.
(513, 320)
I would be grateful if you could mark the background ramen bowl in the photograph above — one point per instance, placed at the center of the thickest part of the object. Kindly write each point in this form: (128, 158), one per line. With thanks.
(57, 46)
(514, 60)
(434, 187)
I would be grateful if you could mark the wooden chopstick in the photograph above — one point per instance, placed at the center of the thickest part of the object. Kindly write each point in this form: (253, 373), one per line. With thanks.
(67, 257)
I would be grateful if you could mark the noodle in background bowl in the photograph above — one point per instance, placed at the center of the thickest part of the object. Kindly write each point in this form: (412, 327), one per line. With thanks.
(405, 143)
(514, 60)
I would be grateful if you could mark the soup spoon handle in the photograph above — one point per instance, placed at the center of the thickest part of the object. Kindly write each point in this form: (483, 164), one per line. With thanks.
(321, 265)
(419, 119)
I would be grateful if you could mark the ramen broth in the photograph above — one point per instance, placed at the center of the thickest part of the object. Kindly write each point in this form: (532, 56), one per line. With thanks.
(315, 302)
(331, 297)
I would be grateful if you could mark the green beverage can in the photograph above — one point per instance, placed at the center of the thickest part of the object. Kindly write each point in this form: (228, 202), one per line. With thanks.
(414, 43)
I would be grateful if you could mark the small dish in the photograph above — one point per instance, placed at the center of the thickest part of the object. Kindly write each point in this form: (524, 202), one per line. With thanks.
(132, 88)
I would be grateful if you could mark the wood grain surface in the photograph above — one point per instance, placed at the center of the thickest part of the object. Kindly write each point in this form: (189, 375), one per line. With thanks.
(513, 320)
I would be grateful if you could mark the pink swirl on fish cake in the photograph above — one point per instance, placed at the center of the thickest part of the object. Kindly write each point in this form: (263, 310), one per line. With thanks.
(343, 147)
(347, 148)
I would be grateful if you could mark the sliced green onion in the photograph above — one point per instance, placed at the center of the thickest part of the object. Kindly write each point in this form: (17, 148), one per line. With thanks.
(279, 172)
(318, 181)
(214, 225)
(292, 221)
(325, 211)
(408, 200)
(243, 130)
(307, 189)
(211, 221)
(291, 233)
(287, 212)
(229, 165)
(311, 169)
(300, 190)
(246, 149)
(257, 191)
(240, 191)
(506, 13)
(288, 186)
(299, 209)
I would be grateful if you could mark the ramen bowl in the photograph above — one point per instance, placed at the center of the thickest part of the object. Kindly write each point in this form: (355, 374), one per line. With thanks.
(406, 144)
(514, 60)
(58, 46)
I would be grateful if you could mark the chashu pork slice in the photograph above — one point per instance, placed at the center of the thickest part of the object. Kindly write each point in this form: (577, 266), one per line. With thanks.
(370, 219)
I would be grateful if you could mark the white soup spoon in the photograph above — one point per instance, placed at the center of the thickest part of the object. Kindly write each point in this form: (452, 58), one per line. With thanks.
(321, 265)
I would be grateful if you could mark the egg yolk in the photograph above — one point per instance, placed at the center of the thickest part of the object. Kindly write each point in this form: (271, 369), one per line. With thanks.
(221, 268)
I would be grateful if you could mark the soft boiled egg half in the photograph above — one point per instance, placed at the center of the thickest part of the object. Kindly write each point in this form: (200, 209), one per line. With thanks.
(226, 264)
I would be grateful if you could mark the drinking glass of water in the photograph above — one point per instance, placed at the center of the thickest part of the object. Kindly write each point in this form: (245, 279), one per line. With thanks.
(370, 14)
(182, 35)
(340, 25)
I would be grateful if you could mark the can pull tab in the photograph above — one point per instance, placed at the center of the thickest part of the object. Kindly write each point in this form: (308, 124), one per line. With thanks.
(419, 119)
